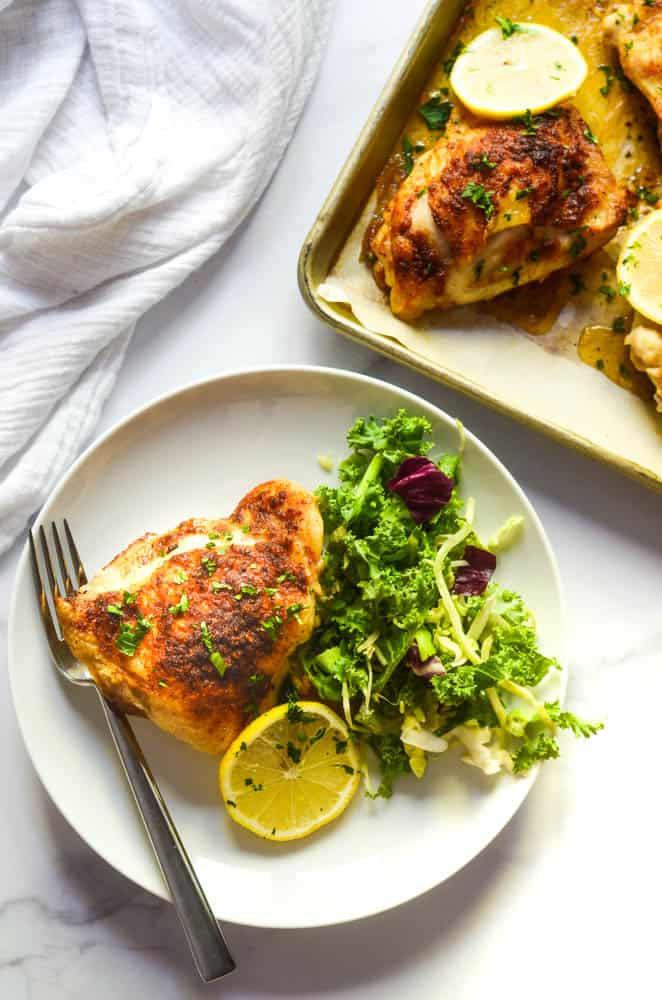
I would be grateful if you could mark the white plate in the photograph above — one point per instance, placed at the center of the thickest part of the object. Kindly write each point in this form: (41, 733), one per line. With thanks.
(196, 453)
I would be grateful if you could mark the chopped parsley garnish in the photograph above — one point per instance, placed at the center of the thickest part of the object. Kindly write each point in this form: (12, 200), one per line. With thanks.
(478, 195)
(419, 194)
(210, 545)
(523, 193)
(246, 528)
(293, 752)
(609, 79)
(436, 113)
(407, 154)
(624, 288)
(114, 609)
(529, 122)
(578, 244)
(246, 590)
(618, 326)
(346, 768)
(450, 62)
(129, 636)
(508, 27)
(128, 597)
(273, 625)
(218, 662)
(163, 684)
(296, 714)
(181, 607)
(588, 134)
(256, 678)
(207, 640)
(209, 565)
(180, 577)
(286, 576)
(647, 194)
(215, 657)
(483, 162)
(213, 535)
(293, 611)
(600, 365)
(216, 586)
(608, 292)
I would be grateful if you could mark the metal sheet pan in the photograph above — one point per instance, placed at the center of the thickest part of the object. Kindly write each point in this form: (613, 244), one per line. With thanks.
(345, 203)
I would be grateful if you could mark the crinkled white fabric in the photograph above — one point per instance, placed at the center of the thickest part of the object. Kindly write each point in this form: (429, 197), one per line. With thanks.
(136, 135)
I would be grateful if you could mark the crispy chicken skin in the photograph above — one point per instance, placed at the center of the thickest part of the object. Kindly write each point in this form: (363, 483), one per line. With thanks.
(636, 31)
(545, 197)
(270, 546)
(645, 343)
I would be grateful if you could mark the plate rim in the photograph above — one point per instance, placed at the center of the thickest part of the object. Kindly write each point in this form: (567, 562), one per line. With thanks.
(160, 889)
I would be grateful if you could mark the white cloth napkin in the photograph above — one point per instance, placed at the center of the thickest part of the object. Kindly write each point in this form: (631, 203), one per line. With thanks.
(136, 135)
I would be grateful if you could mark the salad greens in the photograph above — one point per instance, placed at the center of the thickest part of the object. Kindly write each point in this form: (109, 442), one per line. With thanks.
(415, 644)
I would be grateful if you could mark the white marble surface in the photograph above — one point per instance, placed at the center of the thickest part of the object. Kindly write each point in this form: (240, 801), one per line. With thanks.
(564, 902)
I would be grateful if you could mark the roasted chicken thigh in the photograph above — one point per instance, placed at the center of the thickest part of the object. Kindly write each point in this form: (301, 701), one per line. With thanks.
(494, 205)
(645, 343)
(194, 628)
(636, 31)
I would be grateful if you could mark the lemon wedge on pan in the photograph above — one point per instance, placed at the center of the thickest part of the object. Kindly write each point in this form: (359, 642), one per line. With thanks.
(291, 771)
(639, 269)
(517, 67)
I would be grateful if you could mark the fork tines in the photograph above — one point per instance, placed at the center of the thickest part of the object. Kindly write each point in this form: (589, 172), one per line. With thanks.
(58, 575)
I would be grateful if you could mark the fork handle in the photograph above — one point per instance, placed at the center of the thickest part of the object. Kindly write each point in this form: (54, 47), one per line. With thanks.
(210, 952)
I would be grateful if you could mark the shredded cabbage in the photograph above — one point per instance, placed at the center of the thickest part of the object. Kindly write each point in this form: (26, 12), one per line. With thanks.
(483, 748)
(507, 534)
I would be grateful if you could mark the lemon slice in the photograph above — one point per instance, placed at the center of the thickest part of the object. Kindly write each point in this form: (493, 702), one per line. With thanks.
(640, 266)
(290, 771)
(521, 67)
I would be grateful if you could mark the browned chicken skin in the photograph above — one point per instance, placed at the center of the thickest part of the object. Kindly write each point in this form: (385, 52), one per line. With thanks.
(494, 205)
(645, 343)
(636, 31)
(242, 588)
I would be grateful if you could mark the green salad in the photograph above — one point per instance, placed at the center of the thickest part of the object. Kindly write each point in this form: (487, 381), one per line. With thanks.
(415, 644)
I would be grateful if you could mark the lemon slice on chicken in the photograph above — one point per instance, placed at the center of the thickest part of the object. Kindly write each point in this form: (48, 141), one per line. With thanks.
(291, 771)
(640, 266)
(515, 68)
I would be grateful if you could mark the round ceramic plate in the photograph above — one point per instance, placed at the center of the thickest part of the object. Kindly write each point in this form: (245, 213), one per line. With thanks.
(197, 452)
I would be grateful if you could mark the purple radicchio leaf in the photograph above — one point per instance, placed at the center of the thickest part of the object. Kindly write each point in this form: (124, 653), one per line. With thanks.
(432, 667)
(422, 487)
(474, 578)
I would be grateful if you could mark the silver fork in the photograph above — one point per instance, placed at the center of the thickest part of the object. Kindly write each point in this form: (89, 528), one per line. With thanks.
(210, 952)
